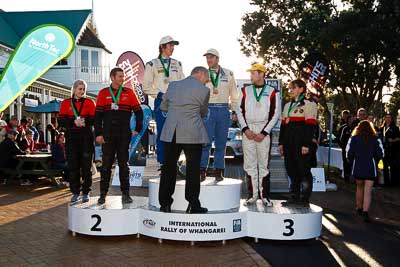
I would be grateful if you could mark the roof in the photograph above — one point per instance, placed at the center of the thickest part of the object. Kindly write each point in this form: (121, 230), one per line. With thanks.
(14, 25)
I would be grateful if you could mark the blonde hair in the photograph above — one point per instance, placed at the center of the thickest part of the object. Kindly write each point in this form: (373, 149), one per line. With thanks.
(76, 84)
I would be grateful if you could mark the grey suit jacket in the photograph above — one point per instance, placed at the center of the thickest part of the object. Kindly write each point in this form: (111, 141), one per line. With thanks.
(186, 102)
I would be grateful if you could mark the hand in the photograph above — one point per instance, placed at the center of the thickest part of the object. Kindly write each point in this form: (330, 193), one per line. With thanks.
(134, 133)
(304, 150)
(259, 137)
(249, 134)
(100, 140)
(280, 150)
(390, 140)
(314, 141)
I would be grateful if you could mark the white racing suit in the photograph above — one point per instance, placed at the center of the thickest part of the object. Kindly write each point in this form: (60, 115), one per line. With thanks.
(260, 117)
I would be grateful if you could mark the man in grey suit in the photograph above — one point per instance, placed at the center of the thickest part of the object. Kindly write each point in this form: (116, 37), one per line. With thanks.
(186, 102)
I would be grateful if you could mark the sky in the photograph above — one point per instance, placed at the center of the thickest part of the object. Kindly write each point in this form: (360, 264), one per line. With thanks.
(138, 26)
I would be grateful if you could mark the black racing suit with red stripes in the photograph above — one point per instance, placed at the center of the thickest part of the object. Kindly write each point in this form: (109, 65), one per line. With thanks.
(79, 142)
(297, 131)
(114, 126)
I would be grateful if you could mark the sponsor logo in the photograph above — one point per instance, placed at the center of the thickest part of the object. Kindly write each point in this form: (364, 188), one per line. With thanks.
(149, 223)
(237, 225)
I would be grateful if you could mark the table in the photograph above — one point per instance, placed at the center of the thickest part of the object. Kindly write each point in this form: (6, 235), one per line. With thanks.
(336, 156)
(39, 166)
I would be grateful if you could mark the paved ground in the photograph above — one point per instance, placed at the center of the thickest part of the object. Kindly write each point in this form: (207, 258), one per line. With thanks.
(33, 232)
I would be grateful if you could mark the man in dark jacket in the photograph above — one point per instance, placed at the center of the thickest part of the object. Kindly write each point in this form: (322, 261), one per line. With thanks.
(9, 149)
(344, 136)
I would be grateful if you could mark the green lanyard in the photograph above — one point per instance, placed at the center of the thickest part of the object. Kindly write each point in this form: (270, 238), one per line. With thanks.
(293, 105)
(166, 69)
(75, 110)
(258, 97)
(215, 80)
(115, 98)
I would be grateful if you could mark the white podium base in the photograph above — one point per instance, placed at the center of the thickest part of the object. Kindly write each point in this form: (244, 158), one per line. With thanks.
(221, 196)
(258, 221)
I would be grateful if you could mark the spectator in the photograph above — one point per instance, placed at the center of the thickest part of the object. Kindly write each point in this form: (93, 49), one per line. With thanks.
(59, 160)
(53, 133)
(9, 149)
(235, 122)
(361, 115)
(390, 136)
(3, 131)
(364, 150)
(15, 125)
(27, 143)
(344, 136)
(371, 119)
(343, 117)
(33, 129)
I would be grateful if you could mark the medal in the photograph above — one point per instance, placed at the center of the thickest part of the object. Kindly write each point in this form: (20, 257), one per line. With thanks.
(114, 106)
(215, 91)
(258, 105)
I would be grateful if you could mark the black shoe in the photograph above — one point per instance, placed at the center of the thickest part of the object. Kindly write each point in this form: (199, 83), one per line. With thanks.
(165, 208)
(102, 199)
(292, 201)
(365, 216)
(304, 203)
(191, 209)
(359, 211)
(126, 199)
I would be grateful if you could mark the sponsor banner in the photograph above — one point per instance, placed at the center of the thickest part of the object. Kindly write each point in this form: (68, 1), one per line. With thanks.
(133, 67)
(36, 53)
(314, 70)
(176, 226)
(136, 174)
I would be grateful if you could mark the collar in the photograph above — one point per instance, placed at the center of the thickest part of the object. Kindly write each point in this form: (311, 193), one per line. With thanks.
(78, 100)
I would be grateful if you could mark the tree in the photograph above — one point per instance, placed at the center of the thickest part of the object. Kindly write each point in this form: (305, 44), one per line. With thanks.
(361, 41)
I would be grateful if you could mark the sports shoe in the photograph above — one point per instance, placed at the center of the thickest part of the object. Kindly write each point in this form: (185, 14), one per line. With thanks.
(25, 182)
(74, 198)
(250, 201)
(126, 199)
(267, 202)
(85, 198)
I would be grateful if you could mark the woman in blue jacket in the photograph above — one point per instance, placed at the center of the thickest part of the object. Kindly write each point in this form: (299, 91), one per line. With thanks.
(364, 150)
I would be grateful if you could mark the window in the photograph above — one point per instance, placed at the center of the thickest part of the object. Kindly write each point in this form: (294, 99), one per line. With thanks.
(84, 60)
(62, 62)
(95, 61)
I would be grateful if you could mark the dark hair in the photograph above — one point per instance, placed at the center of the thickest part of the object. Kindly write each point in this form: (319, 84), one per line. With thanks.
(384, 123)
(24, 121)
(161, 47)
(299, 83)
(50, 127)
(114, 71)
(365, 130)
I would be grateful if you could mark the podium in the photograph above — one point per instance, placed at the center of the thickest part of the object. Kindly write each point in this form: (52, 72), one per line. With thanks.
(227, 218)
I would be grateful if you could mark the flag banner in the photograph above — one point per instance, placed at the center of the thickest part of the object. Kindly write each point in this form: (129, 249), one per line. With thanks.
(314, 70)
(133, 68)
(36, 53)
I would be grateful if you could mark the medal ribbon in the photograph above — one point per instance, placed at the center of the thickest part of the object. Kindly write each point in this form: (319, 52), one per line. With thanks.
(75, 110)
(166, 69)
(293, 105)
(215, 80)
(116, 98)
(258, 97)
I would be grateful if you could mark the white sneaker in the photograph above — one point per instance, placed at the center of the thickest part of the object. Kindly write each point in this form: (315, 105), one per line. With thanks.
(250, 201)
(26, 182)
(267, 202)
